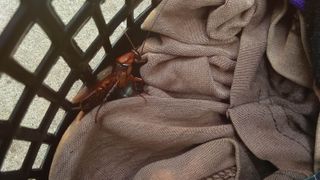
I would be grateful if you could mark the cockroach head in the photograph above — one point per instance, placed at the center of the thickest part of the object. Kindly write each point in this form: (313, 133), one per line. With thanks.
(127, 58)
(138, 59)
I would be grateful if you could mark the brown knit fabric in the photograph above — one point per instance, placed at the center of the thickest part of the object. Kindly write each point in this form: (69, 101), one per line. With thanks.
(317, 138)
(212, 98)
(285, 48)
(229, 174)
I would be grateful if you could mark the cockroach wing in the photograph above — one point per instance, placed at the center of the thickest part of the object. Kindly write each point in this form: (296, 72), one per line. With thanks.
(97, 96)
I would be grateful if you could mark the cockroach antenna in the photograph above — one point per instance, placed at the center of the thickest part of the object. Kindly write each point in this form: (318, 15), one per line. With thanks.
(129, 39)
(148, 34)
(154, 22)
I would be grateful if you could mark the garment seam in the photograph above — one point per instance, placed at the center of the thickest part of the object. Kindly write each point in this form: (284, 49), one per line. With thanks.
(274, 120)
(285, 135)
(263, 99)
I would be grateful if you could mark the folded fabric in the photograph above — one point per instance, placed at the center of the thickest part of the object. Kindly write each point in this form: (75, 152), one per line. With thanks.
(215, 107)
(312, 14)
(285, 48)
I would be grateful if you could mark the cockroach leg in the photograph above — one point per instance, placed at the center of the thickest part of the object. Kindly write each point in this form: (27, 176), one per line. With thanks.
(105, 100)
(138, 80)
(145, 100)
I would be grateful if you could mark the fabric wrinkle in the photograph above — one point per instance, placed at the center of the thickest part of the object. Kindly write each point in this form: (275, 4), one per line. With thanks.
(215, 97)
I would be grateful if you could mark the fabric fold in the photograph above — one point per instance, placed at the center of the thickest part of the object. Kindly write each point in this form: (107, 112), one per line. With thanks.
(213, 107)
(285, 50)
(202, 161)
(126, 140)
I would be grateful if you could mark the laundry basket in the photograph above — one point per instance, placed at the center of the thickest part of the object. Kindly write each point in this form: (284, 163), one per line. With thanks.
(63, 36)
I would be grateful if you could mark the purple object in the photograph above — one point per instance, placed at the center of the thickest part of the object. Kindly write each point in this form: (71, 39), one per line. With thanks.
(298, 4)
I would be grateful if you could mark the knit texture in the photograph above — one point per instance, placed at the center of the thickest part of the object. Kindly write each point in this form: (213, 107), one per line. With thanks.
(285, 48)
(312, 14)
(229, 174)
(213, 102)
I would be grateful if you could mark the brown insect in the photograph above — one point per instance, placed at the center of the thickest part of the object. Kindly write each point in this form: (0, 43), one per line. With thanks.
(121, 77)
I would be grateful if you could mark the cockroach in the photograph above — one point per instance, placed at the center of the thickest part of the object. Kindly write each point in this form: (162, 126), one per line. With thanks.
(120, 78)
